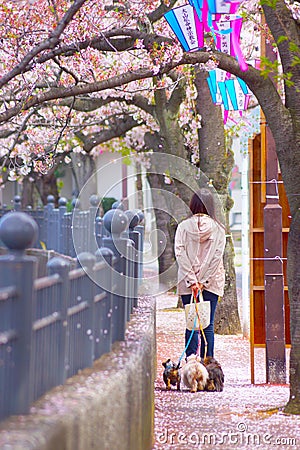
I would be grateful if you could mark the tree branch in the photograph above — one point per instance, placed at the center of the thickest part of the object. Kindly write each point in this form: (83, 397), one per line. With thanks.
(89, 104)
(178, 94)
(51, 42)
(264, 89)
(161, 10)
(117, 128)
(56, 93)
(107, 42)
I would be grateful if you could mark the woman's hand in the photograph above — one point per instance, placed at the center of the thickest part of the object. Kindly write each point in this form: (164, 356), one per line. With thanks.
(200, 286)
(195, 288)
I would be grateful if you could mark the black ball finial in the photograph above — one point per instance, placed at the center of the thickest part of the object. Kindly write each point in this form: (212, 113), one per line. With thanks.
(133, 218)
(86, 259)
(62, 201)
(94, 200)
(50, 199)
(117, 205)
(18, 230)
(115, 221)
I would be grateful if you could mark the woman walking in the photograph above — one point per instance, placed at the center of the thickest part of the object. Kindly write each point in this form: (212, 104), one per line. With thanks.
(199, 248)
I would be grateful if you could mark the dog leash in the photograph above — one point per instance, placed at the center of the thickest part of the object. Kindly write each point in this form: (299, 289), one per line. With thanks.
(191, 335)
(202, 332)
(188, 343)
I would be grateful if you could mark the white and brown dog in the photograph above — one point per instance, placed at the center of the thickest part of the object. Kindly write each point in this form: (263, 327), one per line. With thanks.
(194, 374)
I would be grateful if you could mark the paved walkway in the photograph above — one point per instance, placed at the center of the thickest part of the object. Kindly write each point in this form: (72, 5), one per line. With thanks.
(243, 416)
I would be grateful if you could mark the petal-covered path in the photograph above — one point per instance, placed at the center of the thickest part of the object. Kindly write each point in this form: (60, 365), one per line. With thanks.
(243, 416)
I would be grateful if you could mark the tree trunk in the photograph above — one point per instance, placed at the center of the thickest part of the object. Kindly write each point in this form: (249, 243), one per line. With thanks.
(84, 170)
(162, 217)
(169, 202)
(47, 185)
(168, 208)
(27, 196)
(139, 186)
(216, 162)
(293, 406)
(284, 122)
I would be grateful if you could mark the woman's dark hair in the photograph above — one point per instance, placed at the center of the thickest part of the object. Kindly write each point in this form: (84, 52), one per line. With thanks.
(202, 202)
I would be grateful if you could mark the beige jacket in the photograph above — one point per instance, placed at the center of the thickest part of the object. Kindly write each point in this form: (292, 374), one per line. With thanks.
(199, 248)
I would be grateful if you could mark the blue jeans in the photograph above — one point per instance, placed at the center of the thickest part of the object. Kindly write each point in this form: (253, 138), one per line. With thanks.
(208, 331)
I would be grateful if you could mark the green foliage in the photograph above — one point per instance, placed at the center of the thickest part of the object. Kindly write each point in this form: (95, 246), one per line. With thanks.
(288, 79)
(281, 39)
(107, 202)
(271, 3)
(120, 146)
(272, 68)
(127, 160)
(69, 206)
(60, 185)
(59, 172)
(268, 67)
(296, 61)
(294, 48)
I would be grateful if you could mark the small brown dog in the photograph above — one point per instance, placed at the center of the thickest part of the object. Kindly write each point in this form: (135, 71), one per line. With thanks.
(171, 374)
(215, 382)
(194, 374)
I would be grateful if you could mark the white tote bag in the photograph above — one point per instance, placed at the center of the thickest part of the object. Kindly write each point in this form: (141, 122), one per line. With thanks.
(194, 311)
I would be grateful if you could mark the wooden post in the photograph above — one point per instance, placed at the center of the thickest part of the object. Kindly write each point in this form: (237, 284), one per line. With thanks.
(273, 266)
(273, 271)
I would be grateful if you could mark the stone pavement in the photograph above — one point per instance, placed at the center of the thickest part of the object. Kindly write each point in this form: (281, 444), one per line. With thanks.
(243, 416)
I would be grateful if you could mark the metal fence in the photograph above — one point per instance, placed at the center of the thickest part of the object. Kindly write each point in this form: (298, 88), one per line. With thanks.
(51, 327)
(57, 227)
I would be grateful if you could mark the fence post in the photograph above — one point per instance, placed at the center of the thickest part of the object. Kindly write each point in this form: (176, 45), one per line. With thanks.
(17, 231)
(135, 236)
(93, 212)
(17, 203)
(86, 261)
(141, 229)
(61, 266)
(62, 209)
(116, 222)
(77, 243)
(48, 222)
(99, 231)
(111, 317)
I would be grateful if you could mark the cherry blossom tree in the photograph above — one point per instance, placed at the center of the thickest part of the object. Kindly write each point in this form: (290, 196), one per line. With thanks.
(56, 55)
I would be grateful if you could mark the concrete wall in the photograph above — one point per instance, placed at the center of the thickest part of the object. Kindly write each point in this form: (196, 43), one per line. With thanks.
(109, 406)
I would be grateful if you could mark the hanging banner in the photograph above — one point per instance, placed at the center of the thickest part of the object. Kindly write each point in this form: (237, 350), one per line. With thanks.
(198, 5)
(235, 95)
(227, 37)
(214, 78)
(215, 7)
(187, 27)
(232, 93)
(223, 6)
(190, 21)
(218, 6)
